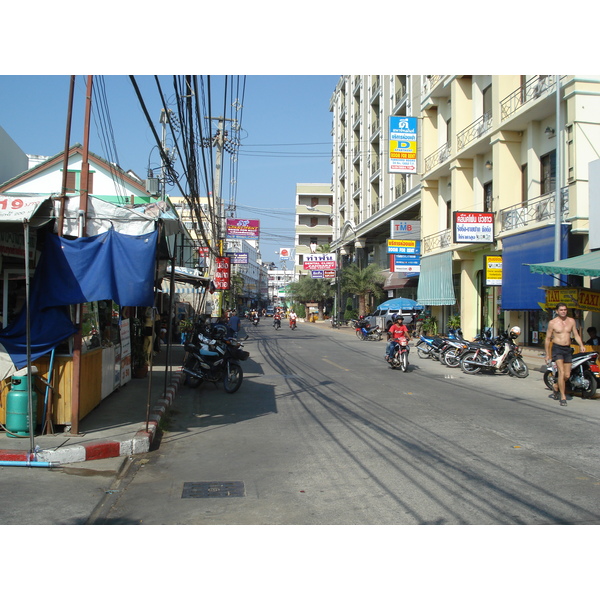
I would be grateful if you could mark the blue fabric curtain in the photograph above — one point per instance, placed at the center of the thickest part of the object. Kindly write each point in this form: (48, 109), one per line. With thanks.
(520, 287)
(107, 266)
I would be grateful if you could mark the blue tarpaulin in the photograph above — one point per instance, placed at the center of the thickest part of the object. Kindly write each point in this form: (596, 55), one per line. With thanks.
(111, 265)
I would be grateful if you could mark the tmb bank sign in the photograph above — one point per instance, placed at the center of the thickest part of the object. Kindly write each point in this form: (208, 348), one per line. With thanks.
(405, 230)
(473, 227)
(319, 262)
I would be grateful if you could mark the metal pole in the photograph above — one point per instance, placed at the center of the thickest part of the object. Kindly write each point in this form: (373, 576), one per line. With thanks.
(28, 340)
(557, 186)
(63, 197)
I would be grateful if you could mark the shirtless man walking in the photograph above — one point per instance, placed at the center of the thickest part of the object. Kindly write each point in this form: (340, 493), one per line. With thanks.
(560, 330)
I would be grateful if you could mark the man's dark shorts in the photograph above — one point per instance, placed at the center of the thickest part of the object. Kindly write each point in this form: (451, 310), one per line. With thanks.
(564, 353)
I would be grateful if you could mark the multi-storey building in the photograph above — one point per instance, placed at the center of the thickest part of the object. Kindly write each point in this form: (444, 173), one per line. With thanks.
(314, 220)
(367, 196)
(487, 146)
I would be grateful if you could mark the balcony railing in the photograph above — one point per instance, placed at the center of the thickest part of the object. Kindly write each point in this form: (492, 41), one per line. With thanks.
(442, 239)
(535, 211)
(430, 82)
(474, 131)
(534, 88)
(438, 157)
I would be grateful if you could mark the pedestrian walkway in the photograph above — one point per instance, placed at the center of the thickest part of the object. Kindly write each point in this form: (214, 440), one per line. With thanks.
(123, 424)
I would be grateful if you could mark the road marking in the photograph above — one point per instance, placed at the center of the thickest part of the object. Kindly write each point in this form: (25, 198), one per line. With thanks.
(336, 365)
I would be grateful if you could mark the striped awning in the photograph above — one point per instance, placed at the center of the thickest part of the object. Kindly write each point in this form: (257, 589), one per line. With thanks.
(435, 281)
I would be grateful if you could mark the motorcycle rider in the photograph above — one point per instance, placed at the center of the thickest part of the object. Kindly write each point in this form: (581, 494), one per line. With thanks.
(277, 319)
(292, 318)
(559, 332)
(396, 331)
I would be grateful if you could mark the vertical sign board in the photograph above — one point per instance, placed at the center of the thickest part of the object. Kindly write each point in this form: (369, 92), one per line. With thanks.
(402, 145)
(222, 276)
(493, 269)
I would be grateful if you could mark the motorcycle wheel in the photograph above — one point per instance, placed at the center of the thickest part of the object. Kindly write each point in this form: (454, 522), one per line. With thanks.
(379, 336)
(518, 368)
(470, 369)
(192, 364)
(452, 358)
(404, 361)
(423, 352)
(592, 385)
(549, 380)
(233, 379)
(360, 335)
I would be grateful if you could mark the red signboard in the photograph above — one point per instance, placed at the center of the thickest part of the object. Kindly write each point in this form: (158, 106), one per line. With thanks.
(222, 276)
(319, 266)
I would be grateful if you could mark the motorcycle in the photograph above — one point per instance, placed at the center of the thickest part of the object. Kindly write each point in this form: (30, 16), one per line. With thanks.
(458, 347)
(292, 324)
(277, 323)
(255, 321)
(364, 331)
(503, 356)
(435, 347)
(399, 357)
(584, 374)
(214, 359)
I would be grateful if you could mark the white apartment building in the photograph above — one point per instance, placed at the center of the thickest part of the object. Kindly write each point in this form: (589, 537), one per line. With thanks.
(367, 197)
(487, 145)
(314, 221)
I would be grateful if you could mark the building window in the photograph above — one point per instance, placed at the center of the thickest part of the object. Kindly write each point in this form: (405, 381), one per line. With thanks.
(314, 202)
(548, 173)
(487, 197)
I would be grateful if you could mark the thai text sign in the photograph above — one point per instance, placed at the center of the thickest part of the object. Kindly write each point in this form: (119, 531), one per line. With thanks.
(222, 276)
(493, 270)
(473, 227)
(403, 145)
(403, 247)
(243, 228)
(407, 264)
(319, 262)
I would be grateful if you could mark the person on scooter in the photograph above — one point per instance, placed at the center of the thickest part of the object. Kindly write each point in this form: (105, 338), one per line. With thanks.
(292, 318)
(277, 319)
(397, 331)
(559, 332)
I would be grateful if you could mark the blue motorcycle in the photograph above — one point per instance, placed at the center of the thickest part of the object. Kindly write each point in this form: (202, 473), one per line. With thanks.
(434, 346)
(364, 331)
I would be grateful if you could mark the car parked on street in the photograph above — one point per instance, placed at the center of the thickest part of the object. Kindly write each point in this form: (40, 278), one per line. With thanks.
(385, 317)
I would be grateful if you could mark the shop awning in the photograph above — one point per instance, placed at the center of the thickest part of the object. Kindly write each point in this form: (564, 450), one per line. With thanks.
(586, 265)
(395, 281)
(23, 208)
(435, 281)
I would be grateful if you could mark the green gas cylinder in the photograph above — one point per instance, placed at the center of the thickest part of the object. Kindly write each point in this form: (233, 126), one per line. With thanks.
(17, 405)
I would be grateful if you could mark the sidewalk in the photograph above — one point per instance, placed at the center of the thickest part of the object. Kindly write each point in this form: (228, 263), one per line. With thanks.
(116, 427)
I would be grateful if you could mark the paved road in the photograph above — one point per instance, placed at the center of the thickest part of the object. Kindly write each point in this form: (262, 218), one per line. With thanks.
(324, 432)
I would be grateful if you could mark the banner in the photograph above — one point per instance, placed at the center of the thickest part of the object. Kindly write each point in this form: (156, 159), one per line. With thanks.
(222, 276)
(319, 262)
(243, 228)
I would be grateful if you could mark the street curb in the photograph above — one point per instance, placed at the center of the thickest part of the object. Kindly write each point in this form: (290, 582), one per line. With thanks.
(139, 444)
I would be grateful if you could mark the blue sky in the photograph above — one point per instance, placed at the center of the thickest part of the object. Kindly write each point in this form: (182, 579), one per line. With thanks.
(285, 135)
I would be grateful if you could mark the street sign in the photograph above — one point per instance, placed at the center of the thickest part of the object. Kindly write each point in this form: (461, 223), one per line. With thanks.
(404, 246)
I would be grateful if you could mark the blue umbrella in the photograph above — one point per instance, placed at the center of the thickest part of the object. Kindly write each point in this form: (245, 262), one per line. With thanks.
(400, 304)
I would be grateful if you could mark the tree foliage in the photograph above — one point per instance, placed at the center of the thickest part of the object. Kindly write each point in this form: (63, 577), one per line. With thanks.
(307, 289)
(362, 283)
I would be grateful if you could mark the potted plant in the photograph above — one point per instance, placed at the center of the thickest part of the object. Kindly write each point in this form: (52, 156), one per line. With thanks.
(454, 322)
(430, 325)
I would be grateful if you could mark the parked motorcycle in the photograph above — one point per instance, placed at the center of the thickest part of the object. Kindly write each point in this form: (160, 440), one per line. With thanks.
(399, 356)
(459, 346)
(364, 331)
(584, 374)
(435, 346)
(214, 358)
(503, 356)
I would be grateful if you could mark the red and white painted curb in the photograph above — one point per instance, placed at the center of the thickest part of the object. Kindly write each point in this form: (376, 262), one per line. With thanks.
(139, 444)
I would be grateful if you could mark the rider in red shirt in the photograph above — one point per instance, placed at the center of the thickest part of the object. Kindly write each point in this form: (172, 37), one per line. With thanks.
(396, 331)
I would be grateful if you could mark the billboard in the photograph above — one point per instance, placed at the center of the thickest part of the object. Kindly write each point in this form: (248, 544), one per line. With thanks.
(243, 228)
(319, 262)
(402, 145)
(473, 227)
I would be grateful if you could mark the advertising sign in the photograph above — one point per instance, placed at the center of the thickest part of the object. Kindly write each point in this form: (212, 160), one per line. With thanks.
(473, 227)
(238, 258)
(285, 253)
(243, 228)
(404, 247)
(319, 262)
(405, 230)
(222, 276)
(317, 274)
(403, 145)
(407, 264)
(493, 269)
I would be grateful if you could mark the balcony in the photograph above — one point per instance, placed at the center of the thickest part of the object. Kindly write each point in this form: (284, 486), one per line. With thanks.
(474, 131)
(438, 157)
(534, 211)
(536, 87)
(442, 239)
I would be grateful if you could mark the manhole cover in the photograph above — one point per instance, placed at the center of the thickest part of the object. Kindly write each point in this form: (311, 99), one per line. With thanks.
(213, 489)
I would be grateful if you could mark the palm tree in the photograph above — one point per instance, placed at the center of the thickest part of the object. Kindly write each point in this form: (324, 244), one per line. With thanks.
(307, 289)
(363, 282)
